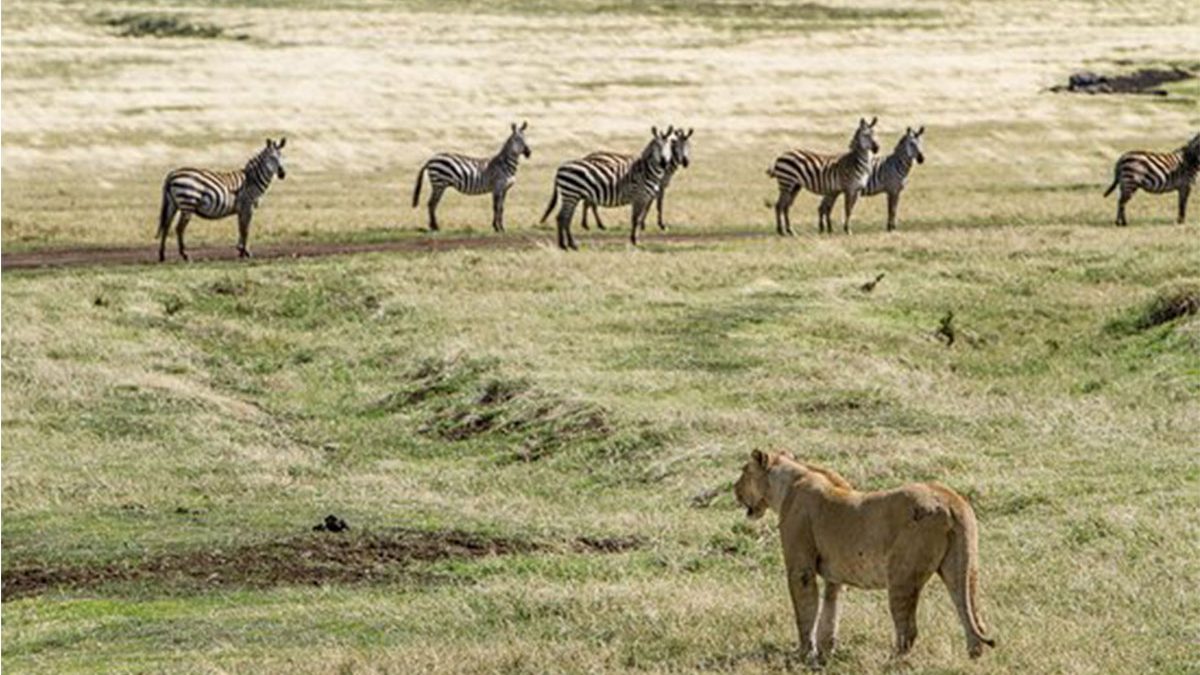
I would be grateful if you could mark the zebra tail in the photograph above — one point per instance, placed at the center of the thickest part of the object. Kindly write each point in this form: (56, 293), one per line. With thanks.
(553, 203)
(417, 190)
(771, 172)
(1116, 180)
(164, 214)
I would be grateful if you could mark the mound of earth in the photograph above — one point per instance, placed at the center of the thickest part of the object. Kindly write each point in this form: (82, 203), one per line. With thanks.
(1144, 81)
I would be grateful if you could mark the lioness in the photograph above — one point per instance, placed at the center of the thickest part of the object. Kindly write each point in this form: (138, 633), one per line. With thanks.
(894, 539)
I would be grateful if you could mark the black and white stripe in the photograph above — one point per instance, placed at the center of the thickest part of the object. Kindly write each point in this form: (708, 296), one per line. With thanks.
(610, 180)
(474, 176)
(824, 175)
(681, 156)
(1157, 172)
(888, 175)
(218, 194)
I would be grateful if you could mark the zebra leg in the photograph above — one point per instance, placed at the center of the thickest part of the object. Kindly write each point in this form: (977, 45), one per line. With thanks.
(244, 217)
(498, 211)
(184, 217)
(1126, 195)
(824, 221)
(851, 197)
(565, 213)
(637, 214)
(1184, 193)
(585, 212)
(787, 211)
(596, 213)
(435, 196)
(658, 202)
(164, 229)
(893, 203)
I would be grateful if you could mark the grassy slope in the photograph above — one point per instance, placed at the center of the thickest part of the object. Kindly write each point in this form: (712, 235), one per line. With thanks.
(249, 394)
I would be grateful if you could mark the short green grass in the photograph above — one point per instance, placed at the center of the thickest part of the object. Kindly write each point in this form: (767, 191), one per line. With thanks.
(168, 409)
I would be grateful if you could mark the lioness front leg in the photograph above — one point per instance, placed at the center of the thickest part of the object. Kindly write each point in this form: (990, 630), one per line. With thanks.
(802, 583)
(827, 625)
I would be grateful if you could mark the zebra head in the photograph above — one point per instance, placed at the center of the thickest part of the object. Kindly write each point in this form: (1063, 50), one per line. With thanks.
(681, 147)
(909, 146)
(516, 145)
(864, 137)
(269, 160)
(1191, 151)
(658, 151)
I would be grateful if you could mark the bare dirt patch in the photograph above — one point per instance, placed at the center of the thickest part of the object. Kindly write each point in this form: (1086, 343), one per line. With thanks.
(311, 559)
(314, 559)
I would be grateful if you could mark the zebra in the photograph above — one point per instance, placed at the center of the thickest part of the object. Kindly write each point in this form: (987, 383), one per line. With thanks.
(611, 183)
(681, 156)
(1156, 173)
(474, 176)
(824, 175)
(218, 194)
(888, 175)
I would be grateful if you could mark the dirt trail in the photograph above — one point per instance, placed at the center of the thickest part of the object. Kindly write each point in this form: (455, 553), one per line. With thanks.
(103, 257)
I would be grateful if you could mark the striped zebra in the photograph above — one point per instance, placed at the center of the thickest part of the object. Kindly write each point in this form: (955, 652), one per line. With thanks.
(887, 175)
(474, 176)
(218, 194)
(824, 174)
(1156, 173)
(681, 156)
(611, 183)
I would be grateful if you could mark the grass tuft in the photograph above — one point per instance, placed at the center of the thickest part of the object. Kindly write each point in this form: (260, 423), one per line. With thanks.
(459, 399)
(1171, 303)
(144, 24)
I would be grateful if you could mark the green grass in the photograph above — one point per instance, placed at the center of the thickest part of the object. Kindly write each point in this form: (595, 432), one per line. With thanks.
(545, 397)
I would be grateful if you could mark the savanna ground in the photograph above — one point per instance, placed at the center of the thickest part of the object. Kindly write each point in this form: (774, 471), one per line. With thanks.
(534, 450)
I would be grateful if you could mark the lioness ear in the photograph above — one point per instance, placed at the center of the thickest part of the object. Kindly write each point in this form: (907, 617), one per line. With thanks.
(787, 454)
(760, 458)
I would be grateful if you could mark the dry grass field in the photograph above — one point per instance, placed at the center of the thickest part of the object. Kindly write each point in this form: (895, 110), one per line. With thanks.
(535, 450)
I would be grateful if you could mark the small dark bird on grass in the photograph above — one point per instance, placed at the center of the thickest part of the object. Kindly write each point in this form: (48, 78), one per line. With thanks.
(870, 285)
(332, 524)
(946, 329)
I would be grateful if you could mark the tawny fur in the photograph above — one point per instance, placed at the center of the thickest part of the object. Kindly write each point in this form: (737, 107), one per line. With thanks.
(891, 539)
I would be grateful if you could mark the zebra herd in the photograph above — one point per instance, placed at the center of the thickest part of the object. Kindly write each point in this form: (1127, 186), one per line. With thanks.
(611, 179)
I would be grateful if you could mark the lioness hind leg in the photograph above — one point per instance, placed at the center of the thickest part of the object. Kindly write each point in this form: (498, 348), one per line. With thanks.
(903, 601)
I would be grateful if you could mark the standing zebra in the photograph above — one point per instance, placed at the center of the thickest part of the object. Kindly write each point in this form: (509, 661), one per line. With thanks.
(218, 194)
(824, 175)
(681, 156)
(611, 183)
(1156, 172)
(887, 175)
(474, 176)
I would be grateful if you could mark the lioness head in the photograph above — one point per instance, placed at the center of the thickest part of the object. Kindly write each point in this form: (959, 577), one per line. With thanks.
(752, 487)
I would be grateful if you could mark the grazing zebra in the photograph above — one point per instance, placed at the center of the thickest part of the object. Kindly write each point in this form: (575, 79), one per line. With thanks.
(1156, 172)
(681, 156)
(824, 174)
(887, 175)
(474, 176)
(218, 194)
(611, 183)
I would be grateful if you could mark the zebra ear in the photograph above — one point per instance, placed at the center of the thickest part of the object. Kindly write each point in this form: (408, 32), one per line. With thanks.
(921, 130)
(282, 142)
(670, 130)
(524, 125)
(690, 132)
(270, 143)
(873, 121)
(654, 131)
